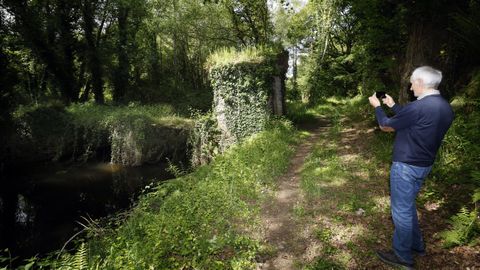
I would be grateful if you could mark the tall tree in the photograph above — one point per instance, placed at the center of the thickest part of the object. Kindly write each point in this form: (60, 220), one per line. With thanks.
(55, 46)
(121, 74)
(95, 66)
(250, 20)
(430, 42)
(8, 78)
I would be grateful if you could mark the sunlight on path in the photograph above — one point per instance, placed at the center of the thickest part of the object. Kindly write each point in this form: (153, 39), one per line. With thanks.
(282, 231)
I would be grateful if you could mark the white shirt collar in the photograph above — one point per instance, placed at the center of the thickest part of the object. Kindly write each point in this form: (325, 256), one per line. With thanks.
(429, 93)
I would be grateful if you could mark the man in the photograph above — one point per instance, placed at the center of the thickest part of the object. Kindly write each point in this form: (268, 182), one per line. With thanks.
(420, 127)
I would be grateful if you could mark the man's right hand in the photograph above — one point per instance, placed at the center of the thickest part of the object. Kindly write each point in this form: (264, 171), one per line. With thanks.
(387, 129)
(388, 100)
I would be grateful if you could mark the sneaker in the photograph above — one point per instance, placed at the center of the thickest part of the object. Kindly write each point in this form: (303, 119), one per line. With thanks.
(421, 253)
(390, 258)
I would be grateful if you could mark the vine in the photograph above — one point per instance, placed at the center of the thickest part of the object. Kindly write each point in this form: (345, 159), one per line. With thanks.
(242, 87)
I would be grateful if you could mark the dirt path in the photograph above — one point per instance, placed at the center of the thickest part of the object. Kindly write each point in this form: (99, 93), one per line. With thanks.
(282, 231)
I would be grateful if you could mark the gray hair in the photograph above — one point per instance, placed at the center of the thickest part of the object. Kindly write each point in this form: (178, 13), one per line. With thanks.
(430, 77)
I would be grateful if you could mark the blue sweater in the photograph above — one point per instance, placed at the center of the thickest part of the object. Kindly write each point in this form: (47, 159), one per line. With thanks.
(420, 127)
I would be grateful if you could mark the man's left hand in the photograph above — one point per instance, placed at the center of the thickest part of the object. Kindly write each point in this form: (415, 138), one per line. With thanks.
(374, 101)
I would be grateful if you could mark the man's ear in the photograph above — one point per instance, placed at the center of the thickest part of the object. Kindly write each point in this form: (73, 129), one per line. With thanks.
(420, 83)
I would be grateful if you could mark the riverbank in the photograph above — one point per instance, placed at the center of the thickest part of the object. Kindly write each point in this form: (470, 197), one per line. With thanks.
(128, 135)
(57, 159)
(207, 219)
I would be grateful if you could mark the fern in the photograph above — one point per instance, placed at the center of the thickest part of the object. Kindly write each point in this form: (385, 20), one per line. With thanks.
(465, 226)
(80, 260)
(174, 169)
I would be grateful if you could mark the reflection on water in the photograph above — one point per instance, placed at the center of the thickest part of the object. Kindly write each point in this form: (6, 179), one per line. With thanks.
(40, 207)
(24, 213)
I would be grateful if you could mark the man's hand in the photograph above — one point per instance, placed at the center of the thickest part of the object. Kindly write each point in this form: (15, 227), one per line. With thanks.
(387, 129)
(388, 101)
(374, 101)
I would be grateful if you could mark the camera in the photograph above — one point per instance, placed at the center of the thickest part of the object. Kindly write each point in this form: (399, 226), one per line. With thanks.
(381, 95)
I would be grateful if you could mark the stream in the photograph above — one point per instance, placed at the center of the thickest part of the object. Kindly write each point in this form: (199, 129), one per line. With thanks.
(41, 206)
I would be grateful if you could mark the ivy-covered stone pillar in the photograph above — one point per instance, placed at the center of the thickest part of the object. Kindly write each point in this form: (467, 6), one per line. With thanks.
(247, 87)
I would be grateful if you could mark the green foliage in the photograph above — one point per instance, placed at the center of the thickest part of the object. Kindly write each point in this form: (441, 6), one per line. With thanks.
(335, 63)
(200, 220)
(46, 128)
(80, 258)
(299, 112)
(350, 47)
(458, 156)
(5, 259)
(251, 21)
(465, 226)
(135, 134)
(241, 81)
(322, 263)
(148, 51)
(204, 139)
(472, 90)
(324, 235)
(8, 79)
(292, 22)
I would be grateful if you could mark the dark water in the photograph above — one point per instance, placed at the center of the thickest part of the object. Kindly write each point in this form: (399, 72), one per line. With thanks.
(40, 206)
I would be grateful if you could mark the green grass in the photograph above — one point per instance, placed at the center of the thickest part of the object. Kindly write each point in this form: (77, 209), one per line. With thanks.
(300, 113)
(232, 56)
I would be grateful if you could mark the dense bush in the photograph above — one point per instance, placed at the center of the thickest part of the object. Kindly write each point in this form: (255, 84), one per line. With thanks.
(46, 130)
(130, 135)
(457, 173)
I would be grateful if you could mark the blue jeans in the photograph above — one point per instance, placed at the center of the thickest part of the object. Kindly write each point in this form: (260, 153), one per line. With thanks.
(405, 183)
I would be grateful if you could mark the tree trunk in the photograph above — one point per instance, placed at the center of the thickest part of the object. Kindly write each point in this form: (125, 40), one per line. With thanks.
(67, 43)
(92, 53)
(86, 92)
(427, 35)
(121, 79)
(59, 66)
(416, 55)
(236, 24)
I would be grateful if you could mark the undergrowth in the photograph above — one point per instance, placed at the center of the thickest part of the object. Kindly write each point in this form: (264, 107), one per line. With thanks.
(80, 132)
(454, 182)
(348, 182)
(203, 220)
